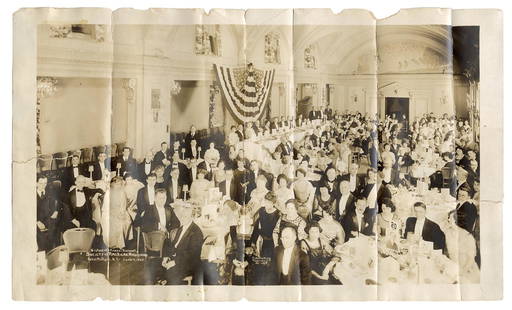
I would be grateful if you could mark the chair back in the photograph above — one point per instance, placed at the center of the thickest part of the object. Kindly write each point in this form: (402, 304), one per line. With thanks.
(120, 147)
(447, 173)
(60, 160)
(99, 149)
(154, 240)
(78, 240)
(113, 150)
(44, 162)
(86, 155)
(57, 257)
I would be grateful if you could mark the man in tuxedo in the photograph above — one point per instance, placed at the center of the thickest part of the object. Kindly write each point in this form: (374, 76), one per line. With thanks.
(174, 190)
(182, 253)
(421, 227)
(285, 147)
(189, 145)
(145, 198)
(371, 189)
(159, 216)
(161, 157)
(467, 212)
(253, 174)
(69, 174)
(314, 114)
(192, 151)
(345, 202)
(315, 138)
(84, 205)
(359, 220)
(330, 180)
(147, 166)
(291, 265)
(47, 216)
(328, 112)
(240, 182)
(299, 121)
(226, 186)
(356, 182)
(101, 167)
(126, 163)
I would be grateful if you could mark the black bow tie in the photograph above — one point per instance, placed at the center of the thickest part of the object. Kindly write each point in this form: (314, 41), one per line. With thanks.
(80, 190)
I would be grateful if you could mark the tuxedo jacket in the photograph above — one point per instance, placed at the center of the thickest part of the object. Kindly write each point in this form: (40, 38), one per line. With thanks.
(129, 165)
(188, 145)
(314, 115)
(209, 173)
(151, 219)
(141, 170)
(170, 191)
(222, 188)
(239, 193)
(187, 254)
(360, 181)
(349, 207)
(285, 149)
(68, 178)
(349, 222)
(299, 271)
(84, 213)
(96, 173)
(46, 206)
(143, 203)
(160, 156)
(467, 215)
(431, 232)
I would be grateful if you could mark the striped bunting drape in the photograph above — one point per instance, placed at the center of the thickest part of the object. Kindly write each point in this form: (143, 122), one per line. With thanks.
(246, 100)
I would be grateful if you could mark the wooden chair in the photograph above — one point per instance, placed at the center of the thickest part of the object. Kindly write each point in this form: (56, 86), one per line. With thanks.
(154, 241)
(57, 257)
(120, 147)
(79, 240)
(86, 155)
(44, 163)
(447, 173)
(98, 149)
(60, 160)
(113, 150)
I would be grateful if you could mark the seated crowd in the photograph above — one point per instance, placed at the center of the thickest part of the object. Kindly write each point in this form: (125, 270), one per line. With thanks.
(284, 218)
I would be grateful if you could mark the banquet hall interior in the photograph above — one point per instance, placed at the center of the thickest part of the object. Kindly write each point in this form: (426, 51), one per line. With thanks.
(233, 111)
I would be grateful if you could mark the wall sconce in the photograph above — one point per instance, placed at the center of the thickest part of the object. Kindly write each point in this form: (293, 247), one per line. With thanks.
(155, 103)
(175, 88)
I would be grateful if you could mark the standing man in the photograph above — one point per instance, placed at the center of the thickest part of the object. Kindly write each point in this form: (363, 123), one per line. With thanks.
(291, 264)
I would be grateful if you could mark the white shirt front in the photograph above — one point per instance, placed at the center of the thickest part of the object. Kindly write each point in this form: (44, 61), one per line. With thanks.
(102, 169)
(183, 231)
(343, 204)
(372, 197)
(287, 257)
(80, 198)
(359, 216)
(353, 183)
(75, 172)
(418, 228)
(174, 189)
(162, 218)
(147, 167)
(228, 183)
(151, 195)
